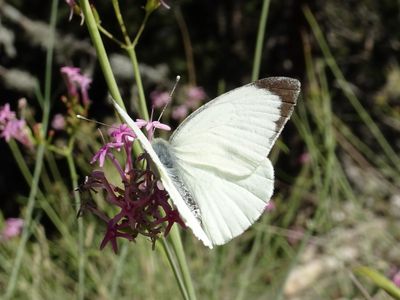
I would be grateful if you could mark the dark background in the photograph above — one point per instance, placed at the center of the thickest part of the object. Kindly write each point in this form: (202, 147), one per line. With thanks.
(363, 36)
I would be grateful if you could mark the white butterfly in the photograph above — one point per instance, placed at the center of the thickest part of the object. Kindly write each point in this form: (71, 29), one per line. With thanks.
(215, 166)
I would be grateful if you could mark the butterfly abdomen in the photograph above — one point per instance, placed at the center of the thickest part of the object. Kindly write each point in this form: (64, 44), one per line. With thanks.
(167, 157)
(164, 153)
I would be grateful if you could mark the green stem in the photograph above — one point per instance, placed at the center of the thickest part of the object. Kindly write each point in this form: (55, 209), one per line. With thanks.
(130, 48)
(39, 161)
(121, 22)
(27, 221)
(175, 268)
(251, 263)
(44, 204)
(379, 280)
(74, 178)
(101, 52)
(185, 284)
(347, 90)
(18, 157)
(140, 31)
(109, 35)
(118, 271)
(183, 265)
(260, 40)
(142, 107)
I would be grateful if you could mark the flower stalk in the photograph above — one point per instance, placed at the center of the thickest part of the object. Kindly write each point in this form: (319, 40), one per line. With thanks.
(39, 161)
(101, 51)
(182, 268)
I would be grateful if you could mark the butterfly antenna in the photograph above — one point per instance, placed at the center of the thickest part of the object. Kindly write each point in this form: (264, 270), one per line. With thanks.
(152, 113)
(102, 136)
(170, 97)
(94, 121)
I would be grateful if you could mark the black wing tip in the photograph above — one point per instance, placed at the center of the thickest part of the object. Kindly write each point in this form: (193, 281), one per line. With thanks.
(278, 82)
(286, 88)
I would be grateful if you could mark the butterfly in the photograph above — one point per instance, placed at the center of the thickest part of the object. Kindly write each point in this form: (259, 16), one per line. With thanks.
(215, 166)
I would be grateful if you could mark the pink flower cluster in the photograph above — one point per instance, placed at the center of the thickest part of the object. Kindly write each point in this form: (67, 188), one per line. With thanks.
(74, 81)
(193, 96)
(12, 228)
(13, 128)
(141, 202)
(396, 278)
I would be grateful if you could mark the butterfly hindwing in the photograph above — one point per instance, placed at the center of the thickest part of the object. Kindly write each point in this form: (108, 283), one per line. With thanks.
(229, 206)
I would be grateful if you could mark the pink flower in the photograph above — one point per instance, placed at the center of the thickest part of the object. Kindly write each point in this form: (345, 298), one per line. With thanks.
(18, 130)
(195, 94)
(396, 279)
(104, 151)
(12, 128)
(58, 122)
(180, 112)
(6, 114)
(84, 83)
(122, 134)
(159, 99)
(139, 204)
(69, 74)
(151, 127)
(304, 158)
(295, 235)
(270, 206)
(13, 227)
(74, 80)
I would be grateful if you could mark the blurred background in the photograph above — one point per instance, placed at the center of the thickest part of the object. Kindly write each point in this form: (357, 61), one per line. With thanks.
(332, 229)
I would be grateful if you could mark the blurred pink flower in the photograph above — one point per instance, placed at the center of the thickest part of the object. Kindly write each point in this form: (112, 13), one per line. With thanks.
(304, 158)
(270, 206)
(396, 279)
(295, 235)
(84, 83)
(159, 99)
(58, 122)
(195, 94)
(6, 114)
(12, 228)
(180, 112)
(12, 128)
(74, 80)
(69, 73)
